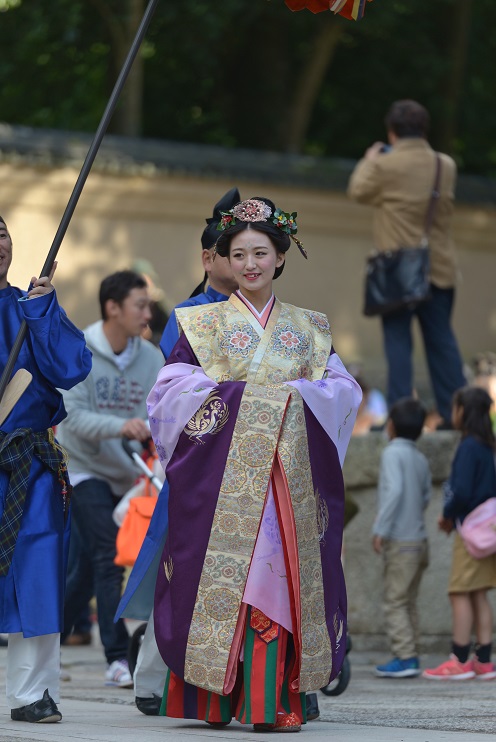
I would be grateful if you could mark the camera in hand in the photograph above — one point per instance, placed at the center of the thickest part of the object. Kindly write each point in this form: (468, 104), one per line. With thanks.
(385, 148)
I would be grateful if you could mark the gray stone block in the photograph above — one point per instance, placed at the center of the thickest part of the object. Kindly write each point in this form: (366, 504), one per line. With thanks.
(363, 568)
(361, 467)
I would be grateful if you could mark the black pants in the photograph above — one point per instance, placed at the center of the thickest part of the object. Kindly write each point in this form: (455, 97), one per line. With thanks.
(92, 507)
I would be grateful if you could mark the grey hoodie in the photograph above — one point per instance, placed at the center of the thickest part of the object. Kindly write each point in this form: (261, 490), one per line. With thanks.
(97, 407)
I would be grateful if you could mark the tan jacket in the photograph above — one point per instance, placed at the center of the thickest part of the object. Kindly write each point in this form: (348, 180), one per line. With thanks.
(399, 183)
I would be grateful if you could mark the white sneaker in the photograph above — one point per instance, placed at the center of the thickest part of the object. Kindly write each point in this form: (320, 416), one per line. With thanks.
(118, 674)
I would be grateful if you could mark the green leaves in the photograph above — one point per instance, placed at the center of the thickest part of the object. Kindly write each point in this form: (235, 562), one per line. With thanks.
(285, 221)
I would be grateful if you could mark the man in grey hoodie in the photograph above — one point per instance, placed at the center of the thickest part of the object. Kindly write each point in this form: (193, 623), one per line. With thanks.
(109, 405)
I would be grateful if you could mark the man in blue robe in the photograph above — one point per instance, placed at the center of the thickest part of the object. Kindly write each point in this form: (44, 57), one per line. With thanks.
(218, 273)
(149, 676)
(35, 491)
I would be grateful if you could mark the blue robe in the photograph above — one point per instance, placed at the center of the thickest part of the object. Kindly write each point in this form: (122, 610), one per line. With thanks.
(55, 352)
(137, 601)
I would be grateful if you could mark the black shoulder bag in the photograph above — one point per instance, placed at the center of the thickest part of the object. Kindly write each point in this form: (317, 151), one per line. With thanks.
(400, 278)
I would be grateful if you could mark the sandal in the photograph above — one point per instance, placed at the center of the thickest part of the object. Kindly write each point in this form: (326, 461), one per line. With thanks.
(286, 723)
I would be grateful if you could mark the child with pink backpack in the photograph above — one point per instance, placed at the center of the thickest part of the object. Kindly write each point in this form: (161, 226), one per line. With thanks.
(472, 483)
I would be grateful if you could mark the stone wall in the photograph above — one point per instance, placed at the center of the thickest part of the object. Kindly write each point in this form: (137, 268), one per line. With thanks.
(363, 568)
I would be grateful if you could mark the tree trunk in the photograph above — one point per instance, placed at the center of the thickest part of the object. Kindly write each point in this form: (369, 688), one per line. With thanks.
(309, 84)
(122, 27)
(132, 93)
(460, 37)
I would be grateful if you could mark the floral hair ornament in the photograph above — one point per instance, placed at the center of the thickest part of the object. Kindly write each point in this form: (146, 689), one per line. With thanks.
(287, 223)
(253, 210)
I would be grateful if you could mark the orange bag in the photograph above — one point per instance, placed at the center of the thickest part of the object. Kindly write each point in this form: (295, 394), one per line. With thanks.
(132, 532)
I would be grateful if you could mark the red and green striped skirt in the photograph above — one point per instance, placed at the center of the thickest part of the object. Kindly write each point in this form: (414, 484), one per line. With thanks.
(261, 691)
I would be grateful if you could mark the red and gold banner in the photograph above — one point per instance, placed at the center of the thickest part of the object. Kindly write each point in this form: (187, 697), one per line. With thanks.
(352, 9)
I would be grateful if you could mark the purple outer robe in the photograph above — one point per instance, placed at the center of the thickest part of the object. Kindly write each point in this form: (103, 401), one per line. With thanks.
(193, 501)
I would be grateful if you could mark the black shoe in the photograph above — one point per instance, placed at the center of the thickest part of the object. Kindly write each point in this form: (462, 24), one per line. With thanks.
(149, 706)
(44, 711)
(312, 707)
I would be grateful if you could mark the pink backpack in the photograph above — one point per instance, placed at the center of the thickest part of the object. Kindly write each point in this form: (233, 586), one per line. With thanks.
(478, 530)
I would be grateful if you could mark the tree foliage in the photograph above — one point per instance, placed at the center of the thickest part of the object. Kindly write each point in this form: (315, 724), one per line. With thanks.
(252, 74)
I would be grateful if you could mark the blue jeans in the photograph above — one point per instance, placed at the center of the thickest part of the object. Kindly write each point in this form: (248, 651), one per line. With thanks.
(82, 623)
(443, 357)
(92, 507)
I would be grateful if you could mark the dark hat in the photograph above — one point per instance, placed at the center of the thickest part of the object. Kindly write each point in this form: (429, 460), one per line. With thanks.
(211, 233)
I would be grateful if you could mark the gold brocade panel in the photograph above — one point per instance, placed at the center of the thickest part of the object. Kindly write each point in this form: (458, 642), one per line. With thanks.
(231, 345)
(233, 535)
(316, 651)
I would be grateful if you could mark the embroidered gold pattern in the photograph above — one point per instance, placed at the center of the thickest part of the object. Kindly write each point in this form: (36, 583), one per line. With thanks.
(201, 631)
(322, 516)
(316, 650)
(221, 604)
(169, 568)
(209, 420)
(206, 327)
(338, 630)
(257, 450)
(232, 538)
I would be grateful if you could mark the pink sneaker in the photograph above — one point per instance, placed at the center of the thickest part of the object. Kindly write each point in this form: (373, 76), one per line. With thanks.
(453, 669)
(484, 670)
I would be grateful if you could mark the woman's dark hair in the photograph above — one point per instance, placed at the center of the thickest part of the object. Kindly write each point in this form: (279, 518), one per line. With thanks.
(408, 417)
(476, 419)
(407, 118)
(279, 239)
(118, 286)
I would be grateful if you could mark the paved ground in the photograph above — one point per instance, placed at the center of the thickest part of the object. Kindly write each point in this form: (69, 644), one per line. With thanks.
(370, 710)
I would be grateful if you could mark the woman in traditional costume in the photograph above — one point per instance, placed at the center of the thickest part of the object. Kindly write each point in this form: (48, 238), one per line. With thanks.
(251, 417)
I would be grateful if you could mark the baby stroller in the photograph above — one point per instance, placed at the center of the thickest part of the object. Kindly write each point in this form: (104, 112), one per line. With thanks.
(137, 636)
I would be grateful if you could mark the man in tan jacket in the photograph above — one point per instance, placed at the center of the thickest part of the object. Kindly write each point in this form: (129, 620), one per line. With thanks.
(398, 180)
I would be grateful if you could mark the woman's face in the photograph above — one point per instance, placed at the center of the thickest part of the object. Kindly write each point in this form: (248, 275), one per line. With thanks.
(254, 260)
